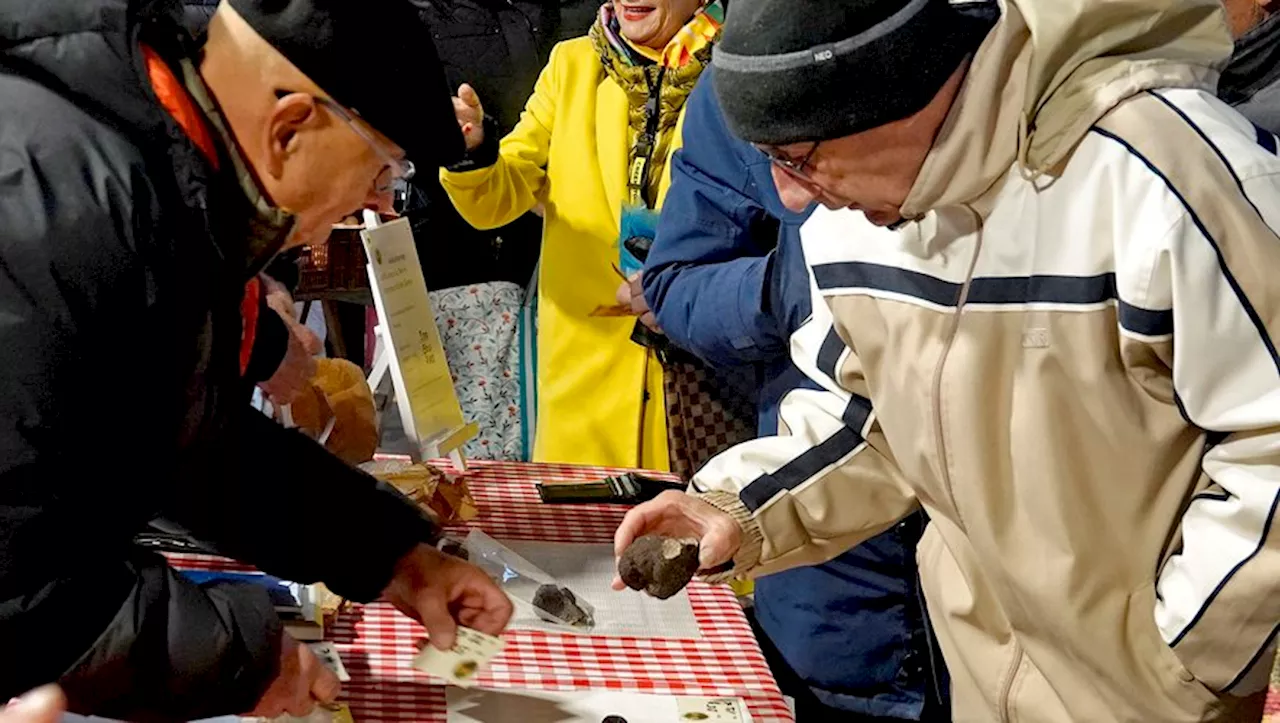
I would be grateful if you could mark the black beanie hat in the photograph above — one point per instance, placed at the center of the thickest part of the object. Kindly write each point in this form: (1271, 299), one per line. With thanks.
(361, 53)
(805, 70)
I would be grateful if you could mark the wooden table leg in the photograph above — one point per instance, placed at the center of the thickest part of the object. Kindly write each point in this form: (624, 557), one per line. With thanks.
(333, 328)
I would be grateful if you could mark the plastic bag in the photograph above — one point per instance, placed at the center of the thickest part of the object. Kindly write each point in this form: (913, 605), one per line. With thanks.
(447, 497)
(524, 581)
(418, 482)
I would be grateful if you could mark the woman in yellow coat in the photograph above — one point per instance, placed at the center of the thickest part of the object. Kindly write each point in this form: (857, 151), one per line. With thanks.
(591, 150)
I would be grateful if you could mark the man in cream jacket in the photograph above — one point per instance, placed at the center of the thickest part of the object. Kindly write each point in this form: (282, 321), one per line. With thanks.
(1046, 312)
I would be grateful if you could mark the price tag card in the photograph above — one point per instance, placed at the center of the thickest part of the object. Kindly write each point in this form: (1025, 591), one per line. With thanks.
(337, 713)
(462, 664)
(328, 654)
(420, 370)
(711, 710)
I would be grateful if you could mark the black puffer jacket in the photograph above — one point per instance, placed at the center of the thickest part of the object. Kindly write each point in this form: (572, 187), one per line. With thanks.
(124, 259)
(576, 17)
(499, 47)
(197, 13)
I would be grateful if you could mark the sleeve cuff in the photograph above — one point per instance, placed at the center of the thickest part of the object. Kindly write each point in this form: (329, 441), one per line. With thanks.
(369, 565)
(748, 556)
(485, 155)
(270, 342)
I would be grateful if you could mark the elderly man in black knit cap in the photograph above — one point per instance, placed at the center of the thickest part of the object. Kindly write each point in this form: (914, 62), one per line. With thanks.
(1045, 312)
(140, 188)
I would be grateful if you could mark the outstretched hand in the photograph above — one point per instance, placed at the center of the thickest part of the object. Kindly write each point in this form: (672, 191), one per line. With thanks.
(42, 705)
(298, 367)
(443, 592)
(302, 682)
(470, 114)
(631, 293)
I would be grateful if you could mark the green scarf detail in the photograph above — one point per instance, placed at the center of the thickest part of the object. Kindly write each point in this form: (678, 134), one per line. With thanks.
(677, 84)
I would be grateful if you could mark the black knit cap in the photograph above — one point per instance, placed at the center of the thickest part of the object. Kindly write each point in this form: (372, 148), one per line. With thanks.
(375, 58)
(789, 71)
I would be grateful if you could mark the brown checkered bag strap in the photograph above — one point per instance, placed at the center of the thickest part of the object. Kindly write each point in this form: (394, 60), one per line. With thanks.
(706, 413)
(677, 439)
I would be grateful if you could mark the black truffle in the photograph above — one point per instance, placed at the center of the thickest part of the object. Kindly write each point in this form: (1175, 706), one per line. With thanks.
(660, 566)
(557, 604)
(455, 548)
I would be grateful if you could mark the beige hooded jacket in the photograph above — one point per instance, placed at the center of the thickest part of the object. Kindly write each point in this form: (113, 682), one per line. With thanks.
(1101, 489)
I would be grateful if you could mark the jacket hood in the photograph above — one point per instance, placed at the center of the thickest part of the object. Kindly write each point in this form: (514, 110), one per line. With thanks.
(88, 52)
(1048, 71)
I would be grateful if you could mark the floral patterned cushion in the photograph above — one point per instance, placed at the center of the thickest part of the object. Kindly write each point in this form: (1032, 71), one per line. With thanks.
(480, 329)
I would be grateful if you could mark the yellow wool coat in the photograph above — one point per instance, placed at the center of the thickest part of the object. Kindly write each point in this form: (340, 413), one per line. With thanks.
(569, 153)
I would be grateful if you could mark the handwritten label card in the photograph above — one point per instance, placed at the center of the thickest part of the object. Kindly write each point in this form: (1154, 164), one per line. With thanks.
(418, 365)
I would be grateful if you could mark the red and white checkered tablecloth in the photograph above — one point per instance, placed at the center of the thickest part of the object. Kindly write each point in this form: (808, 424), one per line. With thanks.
(377, 643)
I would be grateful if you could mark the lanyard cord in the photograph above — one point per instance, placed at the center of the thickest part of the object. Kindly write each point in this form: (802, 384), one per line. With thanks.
(646, 143)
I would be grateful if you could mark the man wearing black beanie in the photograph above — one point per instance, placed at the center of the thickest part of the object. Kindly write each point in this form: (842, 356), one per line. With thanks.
(141, 187)
(1043, 263)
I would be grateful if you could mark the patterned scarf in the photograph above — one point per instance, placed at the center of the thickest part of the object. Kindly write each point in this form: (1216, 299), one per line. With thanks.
(700, 32)
(682, 62)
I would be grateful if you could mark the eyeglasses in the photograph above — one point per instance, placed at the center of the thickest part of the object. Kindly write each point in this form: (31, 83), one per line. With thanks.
(793, 166)
(395, 173)
(397, 170)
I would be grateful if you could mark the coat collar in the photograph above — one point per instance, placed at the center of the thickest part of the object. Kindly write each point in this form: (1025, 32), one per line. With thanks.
(1255, 64)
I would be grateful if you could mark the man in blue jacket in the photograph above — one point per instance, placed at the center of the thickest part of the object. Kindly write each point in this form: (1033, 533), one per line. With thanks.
(846, 638)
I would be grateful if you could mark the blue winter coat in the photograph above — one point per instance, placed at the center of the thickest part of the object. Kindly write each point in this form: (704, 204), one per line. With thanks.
(727, 280)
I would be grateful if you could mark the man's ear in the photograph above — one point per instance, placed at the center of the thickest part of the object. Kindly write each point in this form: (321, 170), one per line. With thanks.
(291, 115)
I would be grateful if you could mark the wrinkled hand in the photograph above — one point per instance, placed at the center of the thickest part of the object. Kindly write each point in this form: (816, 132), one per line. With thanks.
(470, 114)
(298, 367)
(42, 705)
(443, 592)
(676, 514)
(278, 297)
(631, 293)
(302, 682)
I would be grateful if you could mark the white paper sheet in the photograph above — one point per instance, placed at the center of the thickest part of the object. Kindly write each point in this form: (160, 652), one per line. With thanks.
(480, 705)
(588, 571)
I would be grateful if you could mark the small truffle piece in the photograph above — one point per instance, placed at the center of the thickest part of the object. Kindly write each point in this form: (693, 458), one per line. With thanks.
(660, 566)
(556, 604)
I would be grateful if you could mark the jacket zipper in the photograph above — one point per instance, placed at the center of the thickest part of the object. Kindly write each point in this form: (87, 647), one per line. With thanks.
(937, 377)
(1007, 687)
(1009, 677)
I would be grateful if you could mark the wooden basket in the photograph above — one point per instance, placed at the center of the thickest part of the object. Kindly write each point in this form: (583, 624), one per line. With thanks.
(338, 265)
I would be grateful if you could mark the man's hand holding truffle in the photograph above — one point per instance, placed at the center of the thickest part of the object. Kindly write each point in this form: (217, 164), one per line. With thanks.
(678, 515)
